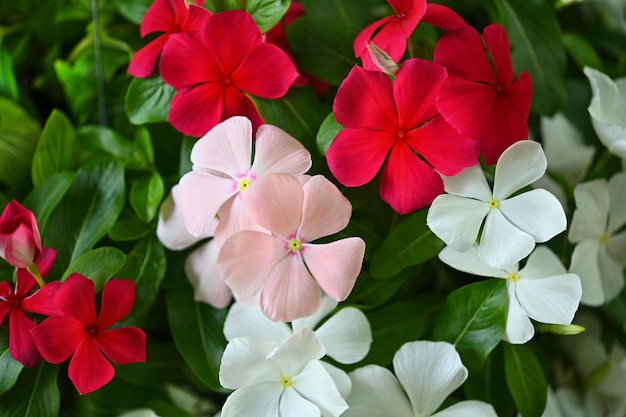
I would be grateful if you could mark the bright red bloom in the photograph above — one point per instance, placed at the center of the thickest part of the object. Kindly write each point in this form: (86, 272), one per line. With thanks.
(213, 72)
(17, 302)
(169, 16)
(481, 97)
(20, 242)
(398, 121)
(88, 337)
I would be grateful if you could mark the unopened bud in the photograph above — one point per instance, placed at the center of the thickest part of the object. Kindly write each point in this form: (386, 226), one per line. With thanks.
(382, 60)
(562, 329)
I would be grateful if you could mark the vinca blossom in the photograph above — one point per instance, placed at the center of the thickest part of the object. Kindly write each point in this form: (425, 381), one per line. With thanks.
(512, 224)
(425, 374)
(607, 110)
(541, 290)
(285, 267)
(20, 242)
(288, 380)
(598, 257)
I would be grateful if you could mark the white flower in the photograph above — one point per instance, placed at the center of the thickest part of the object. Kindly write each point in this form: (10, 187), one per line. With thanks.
(512, 225)
(542, 290)
(288, 380)
(598, 257)
(426, 373)
(608, 110)
(140, 412)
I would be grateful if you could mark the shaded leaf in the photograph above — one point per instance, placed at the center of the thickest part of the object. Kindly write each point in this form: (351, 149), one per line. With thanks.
(525, 379)
(19, 133)
(34, 395)
(145, 196)
(99, 265)
(43, 199)
(9, 368)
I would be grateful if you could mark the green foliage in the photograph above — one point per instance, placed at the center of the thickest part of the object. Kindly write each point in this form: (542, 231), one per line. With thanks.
(9, 368)
(35, 395)
(146, 195)
(148, 100)
(99, 265)
(267, 13)
(18, 138)
(327, 133)
(44, 198)
(525, 379)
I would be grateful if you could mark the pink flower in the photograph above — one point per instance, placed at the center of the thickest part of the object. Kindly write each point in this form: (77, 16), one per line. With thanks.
(284, 266)
(397, 122)
(222, 173)
(169, 16)
(479, 99)
(20, 243)
(17, 302)
(88, 337)
(212, 73)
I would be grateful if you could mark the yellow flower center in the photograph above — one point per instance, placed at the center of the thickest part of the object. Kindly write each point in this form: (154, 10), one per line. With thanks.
(493, 203)
(244, 183)
(603, 239)
(514, 276)
(285, 382)
(295, 244)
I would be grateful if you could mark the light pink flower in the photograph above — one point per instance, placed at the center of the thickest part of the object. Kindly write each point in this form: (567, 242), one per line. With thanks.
(284, 266)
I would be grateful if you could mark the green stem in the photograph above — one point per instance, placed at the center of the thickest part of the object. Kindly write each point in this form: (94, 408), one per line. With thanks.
(34, 271)
(102, 113)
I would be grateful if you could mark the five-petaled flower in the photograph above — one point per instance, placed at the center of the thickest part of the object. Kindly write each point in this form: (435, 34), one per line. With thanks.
(85, 335)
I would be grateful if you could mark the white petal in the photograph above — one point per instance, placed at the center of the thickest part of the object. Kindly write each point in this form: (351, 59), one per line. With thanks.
(552, 300)
(246, 321)
(315, 384)
(470, 182)
(327, 305)
(542, 263)
(341, 379)
(554, 188)
(470, 408)
(456, 220)
(502, 244)
(428, 372)
(171, 229)
(142, 412)
(347, 335)
(293, 404)
(536, 212)
(295, 352)
(519, 328)
(612, 274)
(616, 247)
(244, 363)
(254, 401)
(617, 191)
(376, 393)
(592, 210)
(571, 403)
(206, 280)
(520, 165)
(469, 262)
(585, 265)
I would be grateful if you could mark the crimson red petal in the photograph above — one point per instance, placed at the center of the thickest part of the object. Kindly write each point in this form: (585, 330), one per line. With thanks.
(44, 263)
(237, 103)
(463, 54)
(25, 283)
(404, 6)
(365, 100)
(408, 20)
(497, 42)
(89, 370)
(122, 346)
(363, 38)
(356, 155)
(42, 301)
(144, 60)
(443, 17)
(77, 299)
(195, 18)
(118, 297)
(160, 16)
(58, 337)
(195, 111)
(408, 183)
(392, 39)
(21, 343)
(266, 72)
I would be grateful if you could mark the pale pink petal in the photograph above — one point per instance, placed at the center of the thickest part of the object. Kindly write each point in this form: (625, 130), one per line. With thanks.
(316, 385)
(226, 148)
(324, 211)
(346, 335)
(235, 216)
(520, 165)
(519, 329)
(592, 209)
(468, 261)
(244, 363)
(246, 260)
(456, 220)
(277, 151)
(248, 321)
(549, 300)
(171, 229)
(470, 183)
(206, 280)
(335, 265)
(502, 245)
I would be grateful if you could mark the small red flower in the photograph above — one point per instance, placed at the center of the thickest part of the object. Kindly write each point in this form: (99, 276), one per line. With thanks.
(20, 242)
(481, 97)
(397, 122)
(88, 337)
(213, 68)
(169, 16)
(16, 303)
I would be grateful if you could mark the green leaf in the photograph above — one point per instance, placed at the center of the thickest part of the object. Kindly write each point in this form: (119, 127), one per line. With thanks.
(35, 395)
(144, 152)
(162, 366)
(410, 243)
(525, 379)
(9, 368)
(146, 195)
(327, 133)
(8, 82)
(473, 319)
(133, 10)
(87, 211)
(537, 46)
(375, 292)
(106, 142)
(99, 265)
(267, 13)
(129, 228)
(197, 332)
(145, 264)
(43, 199)
(148, 100)
(581, 50)
(19, 133)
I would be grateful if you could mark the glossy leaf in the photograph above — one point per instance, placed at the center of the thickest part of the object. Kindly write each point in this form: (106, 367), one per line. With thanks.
(145, 196)
(133, 10)
(105, 142)
(148, 100)
(99, 265)
(581, 50)
(19, 133)
(525, 379)
(43, 199)
(267, 13)
(327, 133)
(34, 395)
(129, 228)
(8, 81)
(9, 368)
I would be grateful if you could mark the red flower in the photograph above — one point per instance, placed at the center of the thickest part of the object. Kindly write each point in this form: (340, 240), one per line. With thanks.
(480, 99)
(169, 16)
(20, 243)
(17, 302)
(81, 333)
(213, 67)
(398, 121)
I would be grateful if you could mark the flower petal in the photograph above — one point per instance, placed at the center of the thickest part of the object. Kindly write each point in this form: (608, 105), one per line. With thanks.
(468, 261)
(391, 38)
(501, 243)
(327, 305)
(456, 220)
(497, 43)
(236, 103)
(245, 363)
(593, 202)
(171, 229)
(21, 343)
(470, 183)
(89, 370)
(470, 408)
(118, 298)
(542, 263)
(296, 352)
(335, 265)
(190, 112)
(255, 400)
(417, 78)
(442, 17)
(42, 300)
(428, 372)
(123, 345)
(346, 335)
(340, 378)
(248, 321)
(315, 384)
(58, 337)
(77, 299)
(291, 403)
(612, 274)
(203, 275)
(277, 151)
(549, 300)
(144, 60)
(617, 213)
(585, 264)
(519, 328)
(520, 165)
(325, 210)
(463, 55)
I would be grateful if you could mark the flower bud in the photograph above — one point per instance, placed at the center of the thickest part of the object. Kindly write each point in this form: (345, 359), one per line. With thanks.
(382, 60)
(20, 242)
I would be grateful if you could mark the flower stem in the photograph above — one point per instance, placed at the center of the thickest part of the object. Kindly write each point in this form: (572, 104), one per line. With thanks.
(34, 271)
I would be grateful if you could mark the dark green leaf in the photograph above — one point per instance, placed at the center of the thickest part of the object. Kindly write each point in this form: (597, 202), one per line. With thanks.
(163, 364)
(146, 195)
(99, 265)
(327, 133)
(582, 51)
(410, 243)
(43, 199)
(8, 82)
(473, 319)
(19, 133)
(9, 368)
(57, 149)
(525, 379)
(197, 332)
(129, 228)
(267, 13)
(133, 10)
(148, 100)
(375, 292)
(106, 142)
(144, 152)
(34, 395)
